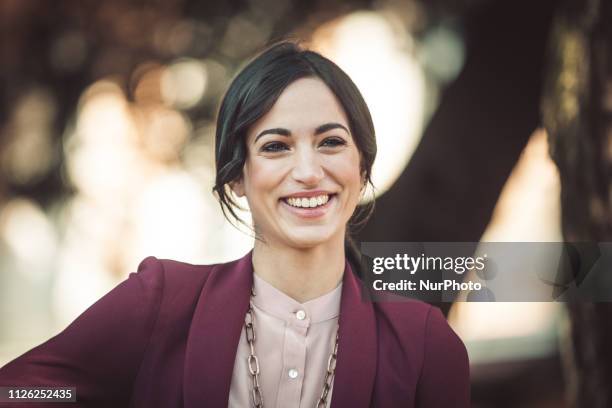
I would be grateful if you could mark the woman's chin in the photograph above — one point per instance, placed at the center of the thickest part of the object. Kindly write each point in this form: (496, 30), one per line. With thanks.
(309, 237)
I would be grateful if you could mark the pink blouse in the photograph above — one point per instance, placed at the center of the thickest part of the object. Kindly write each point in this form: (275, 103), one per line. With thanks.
(293, 344)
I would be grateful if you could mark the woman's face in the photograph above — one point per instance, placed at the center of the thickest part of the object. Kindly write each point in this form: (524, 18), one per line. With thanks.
(302, 173)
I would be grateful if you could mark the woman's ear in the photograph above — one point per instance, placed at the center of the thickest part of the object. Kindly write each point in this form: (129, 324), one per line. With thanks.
(364, 185)
(237, 187)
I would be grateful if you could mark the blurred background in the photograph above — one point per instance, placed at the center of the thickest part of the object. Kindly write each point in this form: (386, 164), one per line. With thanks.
(107, 114)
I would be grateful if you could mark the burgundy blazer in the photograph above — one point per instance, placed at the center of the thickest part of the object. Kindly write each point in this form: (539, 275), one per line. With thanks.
(167, 337)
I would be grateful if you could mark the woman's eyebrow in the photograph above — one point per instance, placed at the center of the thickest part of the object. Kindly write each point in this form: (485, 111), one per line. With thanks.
(274, 131)
(329, 126)
(286, 132)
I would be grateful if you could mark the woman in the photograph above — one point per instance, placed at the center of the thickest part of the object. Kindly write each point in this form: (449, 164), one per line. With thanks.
(285, 326)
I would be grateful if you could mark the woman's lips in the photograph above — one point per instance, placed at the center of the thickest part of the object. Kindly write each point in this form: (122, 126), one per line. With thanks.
(310, 212)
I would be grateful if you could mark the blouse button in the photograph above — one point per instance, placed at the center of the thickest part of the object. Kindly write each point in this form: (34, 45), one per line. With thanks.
(293, 373)
(300, 314)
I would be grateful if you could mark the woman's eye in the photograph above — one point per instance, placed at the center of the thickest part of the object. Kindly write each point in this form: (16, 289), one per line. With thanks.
(333, 142)
(274, 147)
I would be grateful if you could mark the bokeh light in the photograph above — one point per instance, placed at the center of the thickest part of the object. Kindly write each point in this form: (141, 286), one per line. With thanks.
(29, 236)
(183, 83)
(528, 210)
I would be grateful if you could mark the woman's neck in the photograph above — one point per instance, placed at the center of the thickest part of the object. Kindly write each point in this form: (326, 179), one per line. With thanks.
(302, 274)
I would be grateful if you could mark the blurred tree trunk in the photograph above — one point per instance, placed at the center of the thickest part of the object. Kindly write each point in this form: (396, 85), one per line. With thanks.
(577, 111)
(450, 187)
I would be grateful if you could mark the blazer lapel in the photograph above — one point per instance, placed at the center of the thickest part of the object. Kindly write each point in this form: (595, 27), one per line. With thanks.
(357, 347)
(215, 332)
(218, 322)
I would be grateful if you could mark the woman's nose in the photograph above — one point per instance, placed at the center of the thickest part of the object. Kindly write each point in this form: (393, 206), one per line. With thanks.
(306, 168)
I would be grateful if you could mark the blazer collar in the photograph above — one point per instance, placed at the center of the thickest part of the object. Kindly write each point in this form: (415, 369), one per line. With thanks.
(218, 323)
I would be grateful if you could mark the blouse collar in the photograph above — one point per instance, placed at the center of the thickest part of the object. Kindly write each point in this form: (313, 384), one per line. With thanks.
(278, 304)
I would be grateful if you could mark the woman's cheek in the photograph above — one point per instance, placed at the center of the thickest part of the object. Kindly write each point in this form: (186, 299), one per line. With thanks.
(260, 174)
(347, 170)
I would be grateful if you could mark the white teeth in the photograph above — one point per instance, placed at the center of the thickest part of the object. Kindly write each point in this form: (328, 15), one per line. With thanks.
(305, 202)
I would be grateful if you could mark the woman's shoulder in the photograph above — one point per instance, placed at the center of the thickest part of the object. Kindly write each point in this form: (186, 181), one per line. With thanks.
(173, 269)
(409, 313)
(417, 322)
(173, 275)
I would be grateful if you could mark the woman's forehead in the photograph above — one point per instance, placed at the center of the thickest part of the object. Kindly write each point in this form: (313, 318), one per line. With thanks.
(304, 105)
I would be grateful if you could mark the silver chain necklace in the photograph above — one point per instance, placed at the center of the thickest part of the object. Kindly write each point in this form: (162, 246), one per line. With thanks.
(253, 362)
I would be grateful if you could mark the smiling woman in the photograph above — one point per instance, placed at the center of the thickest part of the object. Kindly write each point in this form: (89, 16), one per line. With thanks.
(285, 326)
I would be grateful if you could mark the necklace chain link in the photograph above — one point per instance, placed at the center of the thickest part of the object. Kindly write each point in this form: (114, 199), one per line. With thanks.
(253, 362)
